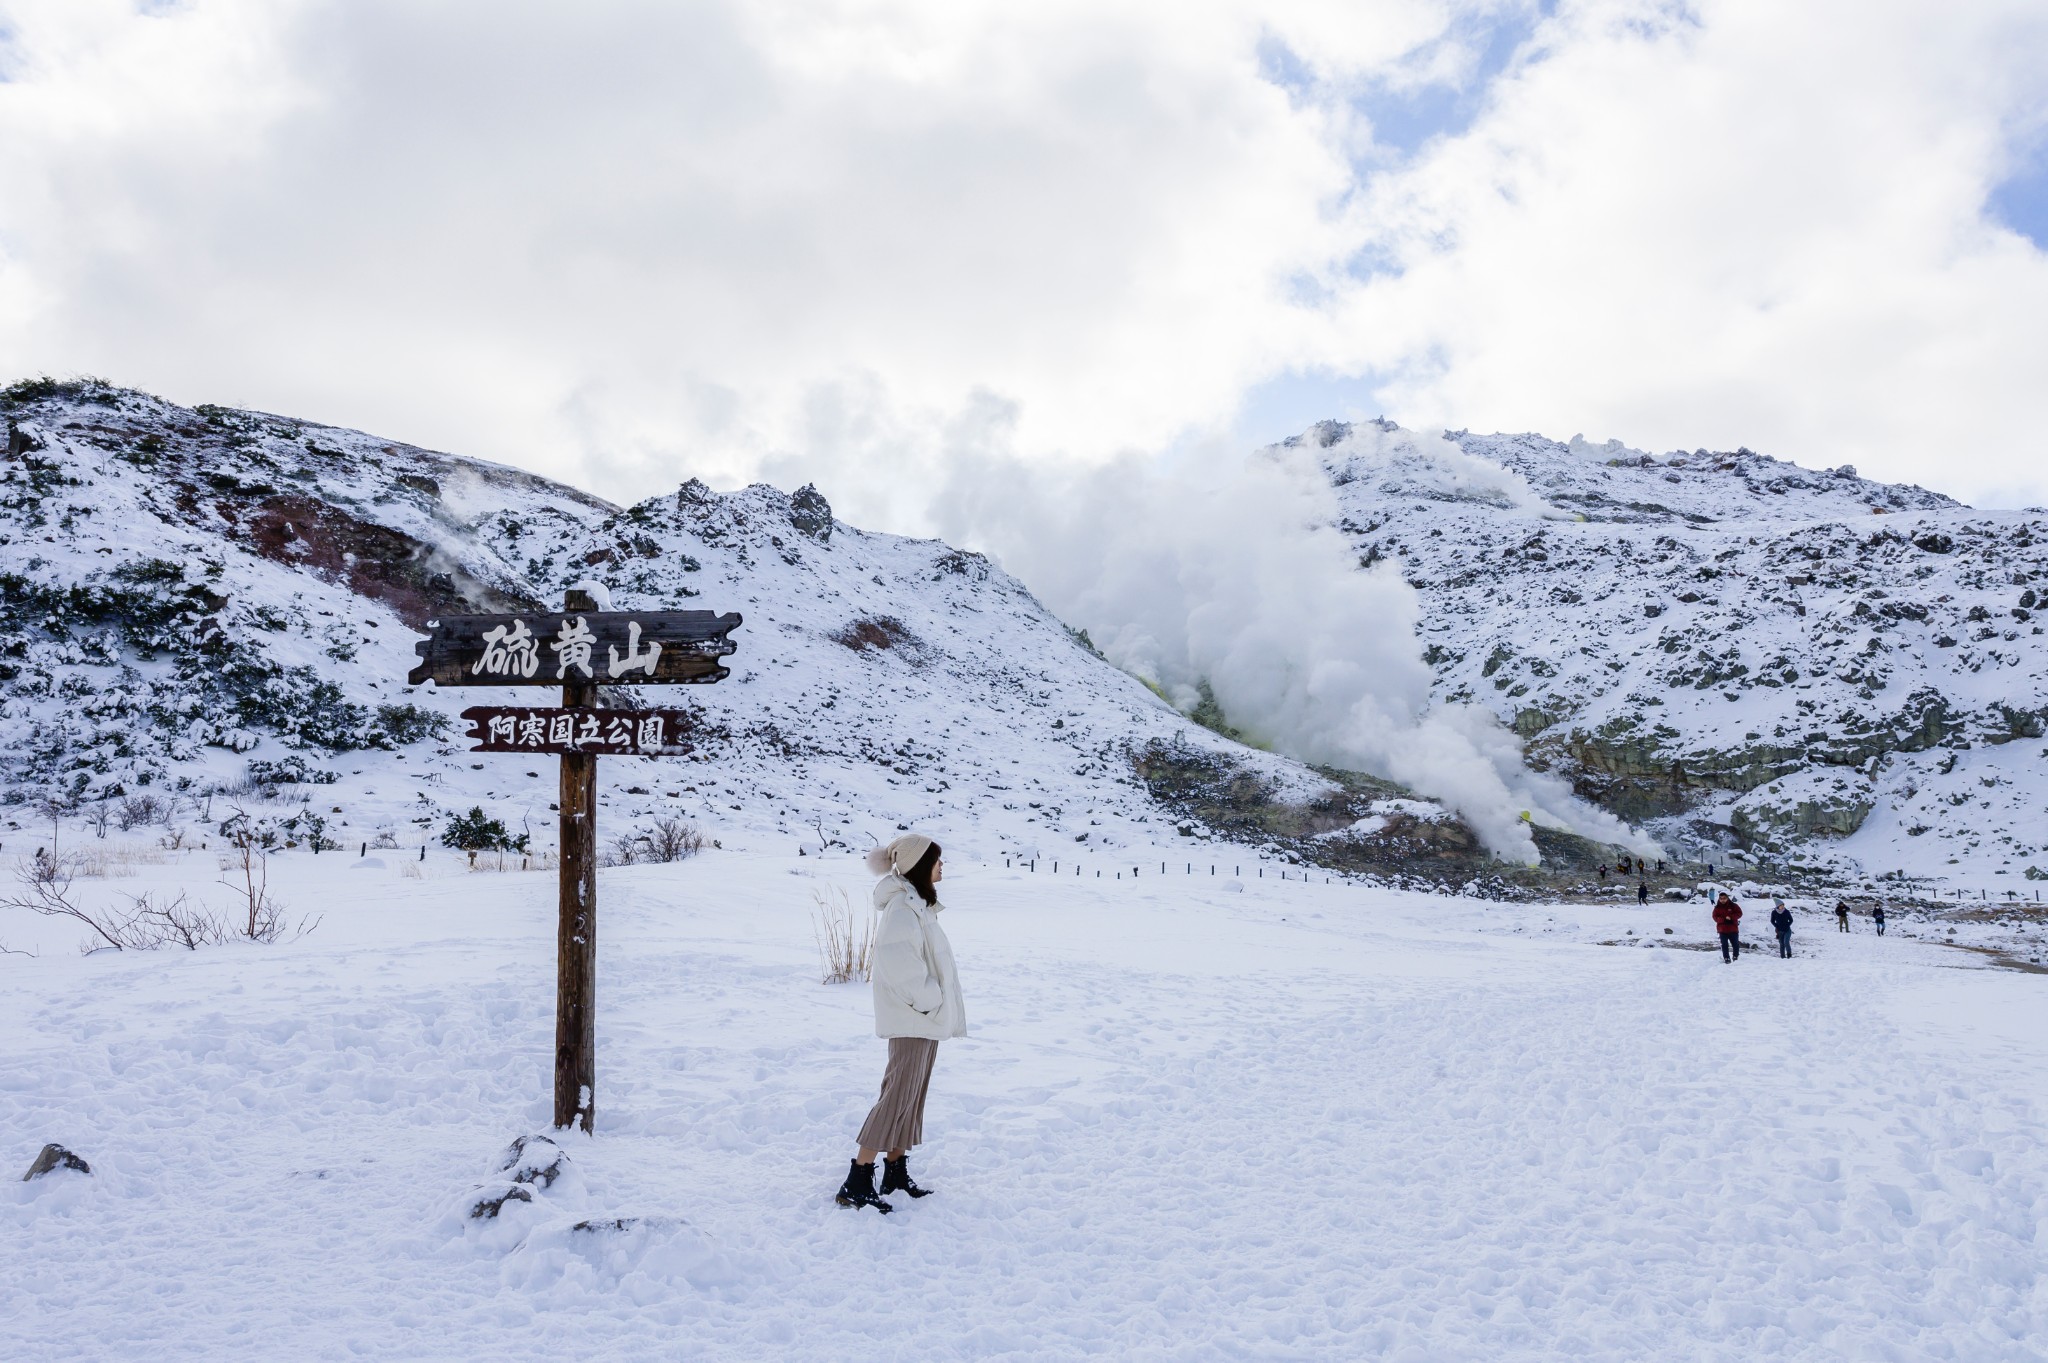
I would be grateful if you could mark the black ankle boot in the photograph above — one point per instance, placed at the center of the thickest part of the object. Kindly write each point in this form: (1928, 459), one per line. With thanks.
(859, 1189)
(896, 1178)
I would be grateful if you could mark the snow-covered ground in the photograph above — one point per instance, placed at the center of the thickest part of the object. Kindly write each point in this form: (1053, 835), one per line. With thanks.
(1195, 1119)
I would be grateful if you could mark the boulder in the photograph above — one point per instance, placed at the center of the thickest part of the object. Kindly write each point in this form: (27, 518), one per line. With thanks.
(53, 1158)
(528, 1163)
(532, 1159)
(491, 1200)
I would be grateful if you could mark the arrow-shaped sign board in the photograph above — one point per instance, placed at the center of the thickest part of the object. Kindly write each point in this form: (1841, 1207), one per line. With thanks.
(605, 648)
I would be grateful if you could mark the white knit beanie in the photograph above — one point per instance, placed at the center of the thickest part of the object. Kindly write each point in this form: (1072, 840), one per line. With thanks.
(900, 855)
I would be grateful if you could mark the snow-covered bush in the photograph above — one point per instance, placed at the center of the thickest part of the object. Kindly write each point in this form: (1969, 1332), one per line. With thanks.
(476, 832)
(290, 770)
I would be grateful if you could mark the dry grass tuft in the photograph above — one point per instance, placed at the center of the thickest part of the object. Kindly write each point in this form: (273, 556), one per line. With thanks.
(845, 940)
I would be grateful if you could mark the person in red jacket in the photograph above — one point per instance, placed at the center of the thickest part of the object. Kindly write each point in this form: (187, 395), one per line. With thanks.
(1727, 920)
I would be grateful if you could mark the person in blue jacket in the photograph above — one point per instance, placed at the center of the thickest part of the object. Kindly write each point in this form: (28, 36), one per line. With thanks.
(1781, 923)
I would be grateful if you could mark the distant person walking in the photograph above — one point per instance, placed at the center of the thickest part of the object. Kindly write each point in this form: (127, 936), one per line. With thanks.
(1842, 914)
(1727, 921)
(1877, 917)
(1642, 892)
(917, 1005)
(1781, 921)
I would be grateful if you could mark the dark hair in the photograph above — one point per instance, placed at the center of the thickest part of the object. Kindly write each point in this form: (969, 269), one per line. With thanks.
(920, 875)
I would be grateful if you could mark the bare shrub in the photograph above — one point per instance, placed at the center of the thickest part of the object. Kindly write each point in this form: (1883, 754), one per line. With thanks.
(98, 816)
(172, 839)
(259, 918)
(177, 923)
(133, 811)
(672, 839)
(826, 841)
(44, 886)
(148, 922)
(845, 941)
(56, 806)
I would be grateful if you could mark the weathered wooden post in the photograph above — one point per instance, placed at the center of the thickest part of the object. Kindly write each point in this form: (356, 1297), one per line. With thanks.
(576, 929)
(630, 647)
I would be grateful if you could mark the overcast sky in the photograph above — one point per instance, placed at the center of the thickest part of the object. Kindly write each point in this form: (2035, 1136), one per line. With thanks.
(869, 244)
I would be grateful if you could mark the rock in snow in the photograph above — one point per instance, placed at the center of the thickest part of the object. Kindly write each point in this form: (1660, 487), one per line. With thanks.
(53, 1158)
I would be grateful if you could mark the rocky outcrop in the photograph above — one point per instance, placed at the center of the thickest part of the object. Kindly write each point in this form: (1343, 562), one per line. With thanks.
(810, 514)
(1355, 822)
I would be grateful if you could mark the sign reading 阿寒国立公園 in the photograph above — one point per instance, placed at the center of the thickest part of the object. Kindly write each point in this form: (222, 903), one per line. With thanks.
(561, 729)
(608, 648)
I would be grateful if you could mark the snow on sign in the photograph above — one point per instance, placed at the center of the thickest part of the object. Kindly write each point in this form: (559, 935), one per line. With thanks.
(542, 729)
(609, 648)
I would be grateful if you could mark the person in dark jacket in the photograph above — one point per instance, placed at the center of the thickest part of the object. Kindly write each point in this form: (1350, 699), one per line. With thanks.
(1727, 923)
(1642, 892)
(1877, 917)
(1842, 914)
(1781, 921)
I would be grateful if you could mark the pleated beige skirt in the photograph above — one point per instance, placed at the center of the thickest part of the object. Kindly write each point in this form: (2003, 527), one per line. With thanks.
(897, 1120)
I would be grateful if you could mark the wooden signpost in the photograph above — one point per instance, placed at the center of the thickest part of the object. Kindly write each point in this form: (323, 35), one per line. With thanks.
(577, 650)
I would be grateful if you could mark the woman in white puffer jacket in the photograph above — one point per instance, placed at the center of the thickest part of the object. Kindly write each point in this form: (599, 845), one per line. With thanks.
(917, 1005)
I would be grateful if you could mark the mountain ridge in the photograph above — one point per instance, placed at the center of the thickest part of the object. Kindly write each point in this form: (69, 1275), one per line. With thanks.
(1803, 669)
(1742, 654)
(214, 605)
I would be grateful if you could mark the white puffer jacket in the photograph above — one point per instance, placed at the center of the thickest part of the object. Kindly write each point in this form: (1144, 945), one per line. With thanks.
(917, 987)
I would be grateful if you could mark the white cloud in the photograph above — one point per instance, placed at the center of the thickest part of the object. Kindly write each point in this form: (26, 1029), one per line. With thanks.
(635, 238)
(652, 238)
(1753, 223)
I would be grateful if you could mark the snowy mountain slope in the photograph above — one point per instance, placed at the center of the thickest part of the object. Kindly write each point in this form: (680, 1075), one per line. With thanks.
(215, 601)
(1741, 652)
(185, 586)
